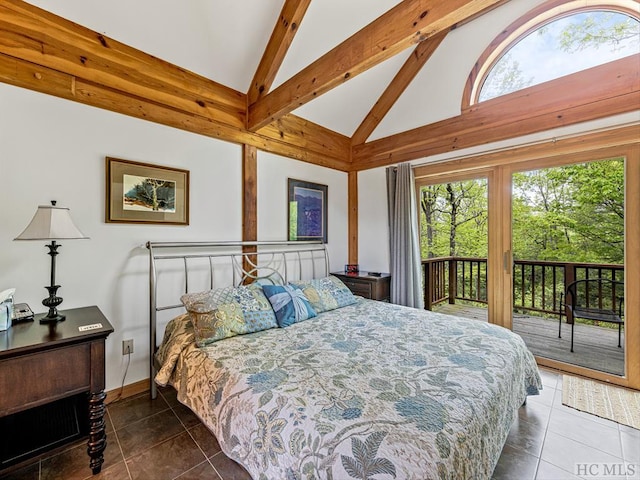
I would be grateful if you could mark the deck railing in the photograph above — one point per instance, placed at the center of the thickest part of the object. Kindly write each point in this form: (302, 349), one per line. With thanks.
(537, 285)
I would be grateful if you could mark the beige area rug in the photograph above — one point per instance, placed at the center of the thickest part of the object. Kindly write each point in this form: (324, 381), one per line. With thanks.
(607, 401)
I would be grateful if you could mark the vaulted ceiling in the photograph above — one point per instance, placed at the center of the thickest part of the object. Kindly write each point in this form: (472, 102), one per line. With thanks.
(346, 84)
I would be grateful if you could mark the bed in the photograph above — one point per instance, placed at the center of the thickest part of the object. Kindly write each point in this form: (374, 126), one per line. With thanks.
(365, 390)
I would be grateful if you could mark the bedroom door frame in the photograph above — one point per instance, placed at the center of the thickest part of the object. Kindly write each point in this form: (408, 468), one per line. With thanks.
(498, 168)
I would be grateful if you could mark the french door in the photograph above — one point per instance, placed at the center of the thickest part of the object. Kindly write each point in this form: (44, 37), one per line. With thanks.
(505, 261)
(567, 239)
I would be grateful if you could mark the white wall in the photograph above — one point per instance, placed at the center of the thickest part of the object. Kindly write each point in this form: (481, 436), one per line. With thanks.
(373, 223)
(53, 149)
(273, 172)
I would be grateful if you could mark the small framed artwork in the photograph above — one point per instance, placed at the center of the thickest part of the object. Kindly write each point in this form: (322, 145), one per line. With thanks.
(351, 269)
(307, 210)
(145, 193)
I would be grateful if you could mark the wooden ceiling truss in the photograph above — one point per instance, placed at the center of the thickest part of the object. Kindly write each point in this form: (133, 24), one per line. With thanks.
(49, 54)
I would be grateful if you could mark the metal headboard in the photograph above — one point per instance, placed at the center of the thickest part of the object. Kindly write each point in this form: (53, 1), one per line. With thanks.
(221, 264)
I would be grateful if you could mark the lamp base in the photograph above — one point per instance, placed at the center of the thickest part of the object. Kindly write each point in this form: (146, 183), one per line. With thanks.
(55, 318)
(52, 302)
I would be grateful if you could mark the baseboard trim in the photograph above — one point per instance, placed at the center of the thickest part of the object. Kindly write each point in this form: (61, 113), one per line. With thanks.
(127, 391)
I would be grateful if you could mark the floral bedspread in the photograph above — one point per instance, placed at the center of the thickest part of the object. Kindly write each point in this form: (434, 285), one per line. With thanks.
(368, 391)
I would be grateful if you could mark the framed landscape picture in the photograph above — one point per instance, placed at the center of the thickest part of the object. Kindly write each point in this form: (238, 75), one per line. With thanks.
(144, 193)
(307, 210)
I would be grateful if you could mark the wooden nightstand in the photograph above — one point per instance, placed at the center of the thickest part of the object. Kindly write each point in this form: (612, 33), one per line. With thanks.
(368, 286)
(41, 367)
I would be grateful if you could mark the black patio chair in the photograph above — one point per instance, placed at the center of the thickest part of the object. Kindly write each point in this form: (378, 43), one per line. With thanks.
(593, 299)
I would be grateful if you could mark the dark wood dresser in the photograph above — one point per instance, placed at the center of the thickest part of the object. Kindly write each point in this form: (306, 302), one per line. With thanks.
(46, 371)
(367, 286)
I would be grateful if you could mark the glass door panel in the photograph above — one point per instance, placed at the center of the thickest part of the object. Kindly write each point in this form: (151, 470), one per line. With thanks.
(568, 269)
(453, 238)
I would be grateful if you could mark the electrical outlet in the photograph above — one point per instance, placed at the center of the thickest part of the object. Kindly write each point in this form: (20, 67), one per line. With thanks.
(127, 347)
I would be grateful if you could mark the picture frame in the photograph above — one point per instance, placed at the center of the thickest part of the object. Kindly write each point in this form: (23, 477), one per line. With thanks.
(139, 192)
(307, 211)
(352, 269)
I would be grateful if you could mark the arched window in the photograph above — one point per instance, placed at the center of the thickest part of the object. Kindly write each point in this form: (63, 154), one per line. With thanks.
(557, 38)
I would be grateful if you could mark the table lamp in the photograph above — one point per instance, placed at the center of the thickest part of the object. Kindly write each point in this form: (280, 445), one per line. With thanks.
(51, 223)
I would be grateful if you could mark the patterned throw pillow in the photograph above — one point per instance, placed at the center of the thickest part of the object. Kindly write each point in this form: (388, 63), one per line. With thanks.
(326, 293)
(225, 312)
(289, 303)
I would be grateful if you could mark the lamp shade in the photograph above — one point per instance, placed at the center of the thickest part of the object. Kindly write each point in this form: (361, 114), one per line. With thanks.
(51, 223)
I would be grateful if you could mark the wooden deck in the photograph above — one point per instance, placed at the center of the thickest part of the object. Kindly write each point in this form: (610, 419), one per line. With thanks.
(594, 347)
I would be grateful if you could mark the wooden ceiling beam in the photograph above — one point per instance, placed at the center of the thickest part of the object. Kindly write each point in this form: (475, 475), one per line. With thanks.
(307, 135)
(283, 33)
(30, 33)
(43, 52)
(321, 146)
(598, 92)
(400, 82)
(618, 138)
(408, 23)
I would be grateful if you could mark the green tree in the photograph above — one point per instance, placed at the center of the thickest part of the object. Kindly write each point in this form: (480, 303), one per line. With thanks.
(428, 200)
(572, 213)
(599, 207)
(156, 194)
(598, 29)
(541, 224)
(580, 31)
(505, 77)
(454, 219)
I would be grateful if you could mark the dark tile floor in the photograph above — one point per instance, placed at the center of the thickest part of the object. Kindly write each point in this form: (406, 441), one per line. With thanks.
(146, 440)
(164, 440)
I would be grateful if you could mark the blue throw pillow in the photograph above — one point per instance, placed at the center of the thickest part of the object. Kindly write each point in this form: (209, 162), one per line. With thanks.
(289, 303)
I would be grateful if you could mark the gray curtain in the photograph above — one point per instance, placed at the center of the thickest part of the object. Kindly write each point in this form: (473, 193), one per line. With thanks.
(406, 266)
